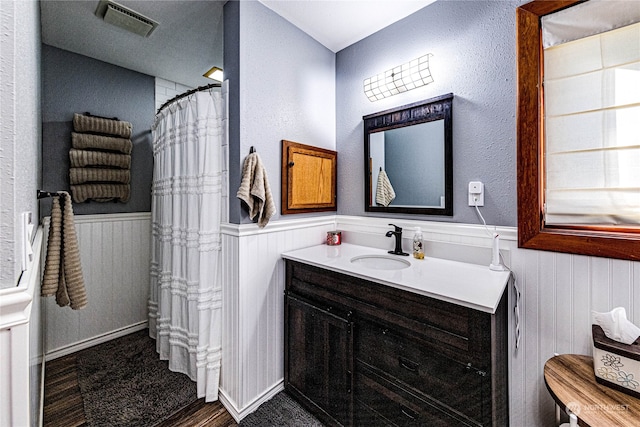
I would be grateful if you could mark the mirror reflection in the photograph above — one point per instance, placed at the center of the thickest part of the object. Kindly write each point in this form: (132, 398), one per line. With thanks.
(408, 159)
(413, 161)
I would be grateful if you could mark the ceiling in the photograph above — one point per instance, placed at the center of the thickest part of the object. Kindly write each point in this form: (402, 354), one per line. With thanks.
(188, 41)
(340, 23)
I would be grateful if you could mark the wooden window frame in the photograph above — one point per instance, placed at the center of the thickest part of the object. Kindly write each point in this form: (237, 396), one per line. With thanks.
(532, 231)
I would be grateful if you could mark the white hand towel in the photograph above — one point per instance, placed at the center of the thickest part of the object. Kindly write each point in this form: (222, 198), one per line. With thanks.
(384, 191)
(255, 191)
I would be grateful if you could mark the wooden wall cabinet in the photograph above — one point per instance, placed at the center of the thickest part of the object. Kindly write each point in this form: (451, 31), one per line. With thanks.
(308, 178)
(360, 353)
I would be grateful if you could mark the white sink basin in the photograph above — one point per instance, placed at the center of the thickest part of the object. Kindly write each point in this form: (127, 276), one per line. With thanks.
(381, 262)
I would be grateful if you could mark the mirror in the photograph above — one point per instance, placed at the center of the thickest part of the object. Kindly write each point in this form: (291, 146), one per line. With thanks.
(408, 158)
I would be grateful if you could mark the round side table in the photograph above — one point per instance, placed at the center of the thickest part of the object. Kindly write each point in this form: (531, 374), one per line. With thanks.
(572, 384)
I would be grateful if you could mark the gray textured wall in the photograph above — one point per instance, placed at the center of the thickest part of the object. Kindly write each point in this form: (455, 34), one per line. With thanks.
(74, 83)
(473, 43)
(19, 129)
(286, 91)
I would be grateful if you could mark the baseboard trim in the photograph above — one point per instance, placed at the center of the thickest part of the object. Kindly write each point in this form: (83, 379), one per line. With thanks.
(90, 342)
(238, 415)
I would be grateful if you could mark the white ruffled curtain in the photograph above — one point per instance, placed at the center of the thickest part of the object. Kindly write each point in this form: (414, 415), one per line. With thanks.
(185, 295)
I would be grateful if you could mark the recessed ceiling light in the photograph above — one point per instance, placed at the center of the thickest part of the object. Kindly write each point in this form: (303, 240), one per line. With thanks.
(215, 74)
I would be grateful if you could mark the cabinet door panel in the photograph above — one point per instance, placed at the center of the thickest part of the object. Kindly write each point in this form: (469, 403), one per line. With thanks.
(319, 353)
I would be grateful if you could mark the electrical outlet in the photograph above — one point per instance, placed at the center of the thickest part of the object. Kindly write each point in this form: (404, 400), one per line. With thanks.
(476, 193)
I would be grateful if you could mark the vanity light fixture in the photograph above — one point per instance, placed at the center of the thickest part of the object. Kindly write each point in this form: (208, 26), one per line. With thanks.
(215, 74)
(402, 78)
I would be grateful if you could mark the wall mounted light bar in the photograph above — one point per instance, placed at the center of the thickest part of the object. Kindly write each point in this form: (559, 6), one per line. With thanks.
(402, 78)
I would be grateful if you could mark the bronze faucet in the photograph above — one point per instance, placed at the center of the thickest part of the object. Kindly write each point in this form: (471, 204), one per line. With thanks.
(398, 234)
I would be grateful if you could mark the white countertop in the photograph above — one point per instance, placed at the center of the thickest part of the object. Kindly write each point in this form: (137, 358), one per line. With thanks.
(469, 285)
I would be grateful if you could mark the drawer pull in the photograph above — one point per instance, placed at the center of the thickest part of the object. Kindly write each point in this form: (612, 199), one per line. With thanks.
(408, 365)
(479, 372)
(408, 413)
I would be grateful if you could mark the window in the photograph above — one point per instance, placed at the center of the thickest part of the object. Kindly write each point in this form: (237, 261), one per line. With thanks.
(579, 132)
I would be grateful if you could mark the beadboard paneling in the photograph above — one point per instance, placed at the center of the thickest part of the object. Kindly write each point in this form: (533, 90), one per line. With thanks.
(20, 345)
(558, 293)
(253, 275)
(115, 255)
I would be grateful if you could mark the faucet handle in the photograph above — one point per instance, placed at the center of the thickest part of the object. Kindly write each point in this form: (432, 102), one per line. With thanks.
(397, 229)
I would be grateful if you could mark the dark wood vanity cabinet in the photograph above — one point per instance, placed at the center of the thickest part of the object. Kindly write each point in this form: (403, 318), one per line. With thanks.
(319, 358)
(361, 353)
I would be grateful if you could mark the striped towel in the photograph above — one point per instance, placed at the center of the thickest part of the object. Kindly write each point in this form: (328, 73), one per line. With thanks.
(384, 191)
(83, 158)
(82, 123)
(62, 275)
(98, 142)
(98, 192)
(95, 175)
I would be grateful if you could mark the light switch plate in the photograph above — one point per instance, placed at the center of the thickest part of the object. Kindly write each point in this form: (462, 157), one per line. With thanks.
(27, 237)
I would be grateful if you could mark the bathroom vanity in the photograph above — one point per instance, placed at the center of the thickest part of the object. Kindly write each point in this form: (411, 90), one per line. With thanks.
(376, 339)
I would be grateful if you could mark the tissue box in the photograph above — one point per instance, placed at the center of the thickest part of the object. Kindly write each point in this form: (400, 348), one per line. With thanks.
(616, 365)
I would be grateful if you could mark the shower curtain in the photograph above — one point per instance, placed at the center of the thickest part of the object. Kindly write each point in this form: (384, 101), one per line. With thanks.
(185, 295)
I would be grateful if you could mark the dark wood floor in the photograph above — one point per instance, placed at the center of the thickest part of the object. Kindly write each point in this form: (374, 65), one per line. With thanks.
(63, 402)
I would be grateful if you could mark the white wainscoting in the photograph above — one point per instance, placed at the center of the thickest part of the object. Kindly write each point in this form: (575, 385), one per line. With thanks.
(21, 366)
(253, 311)
(558, 293)
(115, 255)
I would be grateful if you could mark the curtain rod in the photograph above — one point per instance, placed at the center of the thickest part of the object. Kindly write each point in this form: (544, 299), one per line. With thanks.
(192, 91)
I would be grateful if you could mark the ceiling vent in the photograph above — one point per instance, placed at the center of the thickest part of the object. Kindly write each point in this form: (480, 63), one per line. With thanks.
(125, 18)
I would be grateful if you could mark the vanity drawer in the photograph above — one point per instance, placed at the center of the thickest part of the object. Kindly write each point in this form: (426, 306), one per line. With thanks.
(452, 381)
(381, 403)
(411, 310)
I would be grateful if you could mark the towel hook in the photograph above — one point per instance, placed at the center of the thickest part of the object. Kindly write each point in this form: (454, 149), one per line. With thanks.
(252, 150)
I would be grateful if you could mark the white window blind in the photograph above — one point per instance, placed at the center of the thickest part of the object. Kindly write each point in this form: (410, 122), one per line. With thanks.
(592, 128)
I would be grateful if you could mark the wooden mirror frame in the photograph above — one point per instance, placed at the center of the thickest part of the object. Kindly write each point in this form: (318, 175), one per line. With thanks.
(532, 231)
(438, 108)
